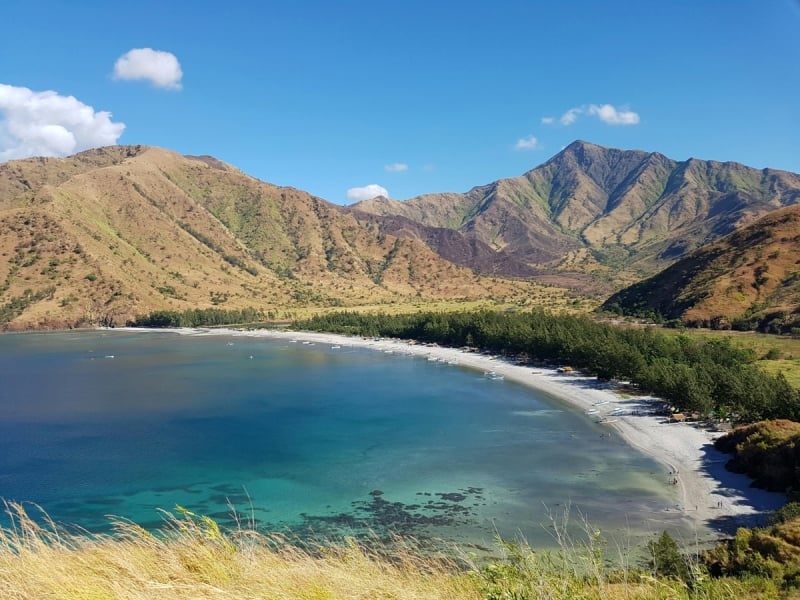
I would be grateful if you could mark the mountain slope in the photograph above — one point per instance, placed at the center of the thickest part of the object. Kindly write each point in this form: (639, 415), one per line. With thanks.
(114, 232)
(621, 213)
(752, 274)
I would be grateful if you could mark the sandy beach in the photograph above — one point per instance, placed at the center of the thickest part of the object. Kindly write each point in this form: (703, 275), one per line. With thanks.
(711, 495)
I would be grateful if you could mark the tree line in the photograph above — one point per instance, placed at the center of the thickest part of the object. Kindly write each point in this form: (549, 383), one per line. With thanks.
(200, 317)
(709, 376)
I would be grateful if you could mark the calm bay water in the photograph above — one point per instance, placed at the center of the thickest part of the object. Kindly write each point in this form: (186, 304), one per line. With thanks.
(304, 438)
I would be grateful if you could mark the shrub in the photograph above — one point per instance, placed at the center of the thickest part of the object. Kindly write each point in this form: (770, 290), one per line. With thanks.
(666, 559)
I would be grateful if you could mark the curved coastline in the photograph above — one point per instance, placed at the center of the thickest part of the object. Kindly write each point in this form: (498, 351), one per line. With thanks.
(712, 496)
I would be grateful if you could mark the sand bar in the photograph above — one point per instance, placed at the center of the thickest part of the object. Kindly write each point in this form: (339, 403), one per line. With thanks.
(711, 495)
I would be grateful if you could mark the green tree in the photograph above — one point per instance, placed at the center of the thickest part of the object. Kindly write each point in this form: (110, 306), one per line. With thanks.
(666, 559)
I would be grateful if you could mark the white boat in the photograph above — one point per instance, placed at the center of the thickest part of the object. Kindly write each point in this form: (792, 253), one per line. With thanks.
(493, 375)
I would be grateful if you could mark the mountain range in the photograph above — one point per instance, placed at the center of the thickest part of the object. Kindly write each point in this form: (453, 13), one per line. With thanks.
(619, 214)
(107, 234)
(113, 232)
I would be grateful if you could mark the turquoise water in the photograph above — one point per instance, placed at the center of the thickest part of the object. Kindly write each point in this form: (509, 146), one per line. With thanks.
(304, 438)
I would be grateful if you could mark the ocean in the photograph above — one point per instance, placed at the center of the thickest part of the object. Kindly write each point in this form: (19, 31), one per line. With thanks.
(307, 439)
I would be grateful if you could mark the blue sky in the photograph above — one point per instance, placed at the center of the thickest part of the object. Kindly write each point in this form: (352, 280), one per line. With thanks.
(414, 97)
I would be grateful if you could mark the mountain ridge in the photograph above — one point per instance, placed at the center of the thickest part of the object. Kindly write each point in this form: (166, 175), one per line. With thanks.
(114, 231)
(596, 209)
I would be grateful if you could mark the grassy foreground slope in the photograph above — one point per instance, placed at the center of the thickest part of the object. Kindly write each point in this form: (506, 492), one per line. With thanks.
(191, 558)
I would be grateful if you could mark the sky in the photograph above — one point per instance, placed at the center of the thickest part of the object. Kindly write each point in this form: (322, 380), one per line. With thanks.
(347, 99)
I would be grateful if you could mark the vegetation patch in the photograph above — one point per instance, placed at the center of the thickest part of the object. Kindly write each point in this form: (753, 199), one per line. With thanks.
(768, 452)
(198, 318)
(17, 305)
(766, 553)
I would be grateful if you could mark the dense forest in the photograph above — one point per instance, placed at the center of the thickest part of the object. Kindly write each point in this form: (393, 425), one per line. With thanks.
(705, 376)
(201, 317)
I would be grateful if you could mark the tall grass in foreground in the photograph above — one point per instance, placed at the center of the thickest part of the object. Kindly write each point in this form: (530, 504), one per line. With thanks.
(190, 557)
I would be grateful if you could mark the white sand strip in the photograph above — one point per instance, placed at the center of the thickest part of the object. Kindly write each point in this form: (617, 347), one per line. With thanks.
(711, 495)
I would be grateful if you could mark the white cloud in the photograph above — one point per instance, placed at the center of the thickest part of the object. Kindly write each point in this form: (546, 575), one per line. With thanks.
(162, 69)
(367, 192)
(569, 117)
(527, 143)
(396, 168)
(548, 120)
(612, 116)
(47, 124)
(605, 112)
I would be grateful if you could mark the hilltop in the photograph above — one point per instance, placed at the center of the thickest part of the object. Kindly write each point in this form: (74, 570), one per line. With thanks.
(749, 278)
(618, 214)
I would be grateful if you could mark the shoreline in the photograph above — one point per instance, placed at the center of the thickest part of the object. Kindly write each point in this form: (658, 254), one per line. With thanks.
(711, 495)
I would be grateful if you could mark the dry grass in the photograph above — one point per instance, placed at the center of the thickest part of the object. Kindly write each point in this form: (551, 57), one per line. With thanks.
(191, 558)
(554, 299)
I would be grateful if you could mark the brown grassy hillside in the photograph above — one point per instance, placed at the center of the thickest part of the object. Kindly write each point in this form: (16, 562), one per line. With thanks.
(753, 273)
(114, 232)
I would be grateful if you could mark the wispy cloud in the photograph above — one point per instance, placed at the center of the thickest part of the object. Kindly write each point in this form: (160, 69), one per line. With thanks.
(48, 124)
(396, 168)
(160, 68)
(569, 117)
(527, 143)
(357, 194)
(607, 113)
(613, 116)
